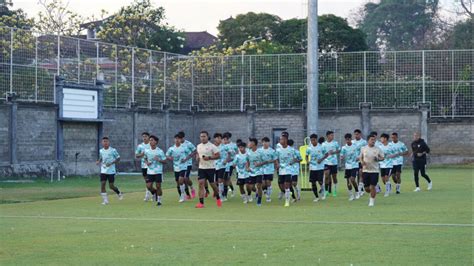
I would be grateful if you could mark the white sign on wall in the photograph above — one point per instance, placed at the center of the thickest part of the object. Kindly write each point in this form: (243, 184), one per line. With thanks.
(80, 103)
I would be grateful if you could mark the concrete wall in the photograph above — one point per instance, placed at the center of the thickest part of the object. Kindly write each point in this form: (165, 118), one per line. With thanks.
(451, 141)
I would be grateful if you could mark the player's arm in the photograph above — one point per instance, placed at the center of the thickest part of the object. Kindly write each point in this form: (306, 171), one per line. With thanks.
(139, 153)
(117, 159)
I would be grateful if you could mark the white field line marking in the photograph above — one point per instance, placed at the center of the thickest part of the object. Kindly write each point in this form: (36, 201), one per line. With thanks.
(229, 221)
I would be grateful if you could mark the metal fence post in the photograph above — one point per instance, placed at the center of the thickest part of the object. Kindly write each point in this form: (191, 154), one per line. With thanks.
(133, 75)
(11, 60)
(116, 74)
(179, 84)
(36, 69)
(78, 61)
(96, 60)
(242, 82)
(423, 75)
(250, 79)
(395, 77)
(192, 82)
(164, 79)
(222, 83)
(365, 77)
(279, 82)
(59, 57)
(151, 77)
(337, 91)
(453, 90)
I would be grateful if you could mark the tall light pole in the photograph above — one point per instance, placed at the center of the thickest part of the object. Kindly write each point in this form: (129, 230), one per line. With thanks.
(312, 115)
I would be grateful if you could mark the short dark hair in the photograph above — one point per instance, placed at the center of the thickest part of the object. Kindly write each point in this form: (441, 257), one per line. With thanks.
(238, 141)
(313, 136)
(265, 139)
(329, 132)
(321, 140)
(285, 134)
(348, 136)
(371, 136)
(384, 135)
(146, 133)
(227, 135)
(181, 133)
(291, 142)
(242, 144)
(105, 138)
(374, 133)
(217, 135)
(395, 134)
(357, 131)
(204, 132)
(254, 140)
(154, 137)
(178, 136)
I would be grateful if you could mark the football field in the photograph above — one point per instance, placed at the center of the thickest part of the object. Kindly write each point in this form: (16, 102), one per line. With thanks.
(64, 223)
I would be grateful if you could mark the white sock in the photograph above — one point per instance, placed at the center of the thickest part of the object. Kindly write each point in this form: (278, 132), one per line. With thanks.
(158, 198)
(350, 192)
(269, 191)
(221, 189)
(388, 186)
(335, 188)
(398, 187)
(147, 193)
(104, 197)
(182, 188)
(372, 200)
(287, 194)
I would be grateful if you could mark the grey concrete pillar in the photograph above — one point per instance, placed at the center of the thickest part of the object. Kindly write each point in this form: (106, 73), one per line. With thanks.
(194, 137)
(365, 118)
(12, 132)
(166, 126)
(424, 109)
(251, 109)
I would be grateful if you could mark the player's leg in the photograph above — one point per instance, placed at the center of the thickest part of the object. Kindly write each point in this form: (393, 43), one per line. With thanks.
(231, 187)
(249, 184)
(241, 183)
(281, 186)
(347, 176)
(220, 181)
(360, 180)
(111, 179)
(202, 187)
(259, 182)
(327, 179)
(182, 186)
(388, 184)
(333, 171)
(159, 191)
(189, 183)
(416, 170)
(425, 176)
(211, 179)
(314, 187)
(176, 179)
(373, 180)
(268, 183)
(103, 192)
(149, 185)
(148, 195)
(294, 183)
(226, 186)
(354, 182)
(287, 185)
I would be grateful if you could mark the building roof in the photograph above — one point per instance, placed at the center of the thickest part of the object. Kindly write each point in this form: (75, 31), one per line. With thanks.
(198, 40)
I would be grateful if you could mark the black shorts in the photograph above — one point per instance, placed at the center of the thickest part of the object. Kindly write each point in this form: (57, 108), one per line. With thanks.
(397, 169)
(385, 171)
(188, 171)
(284, 179)
(251, 180)
(207, 174)
(241, 181)
(220, 174)
(106, 177)
(294, 178)
(144, 172)
(231, 170)
(316, 176)
(158, 178)
(179, 174)
(351, 172)
(268, 177)
(257, 179)
(331, 168)
(370, 179)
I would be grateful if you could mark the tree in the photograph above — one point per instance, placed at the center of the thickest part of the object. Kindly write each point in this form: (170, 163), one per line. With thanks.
(293, 33)
(56, 18)
(15, 18)
(233, 32)
(463, 33)
(141, 25)
(399, 24)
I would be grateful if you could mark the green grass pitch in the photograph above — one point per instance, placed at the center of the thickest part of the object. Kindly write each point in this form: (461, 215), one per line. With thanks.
(64, 223)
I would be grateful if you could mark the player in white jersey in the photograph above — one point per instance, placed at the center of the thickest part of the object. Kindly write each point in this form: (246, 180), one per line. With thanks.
(359, 142)
(315, 156)
(108, 157)
(232, 151)
(330, 167)
(190, 153)
(221, 164)
(402, 150)
(155, 158)
(387, 164)
(349, 154)
(370, 155)
(285, 159)
(269, 157)
(241, 164)
(295, 189)
(177, 154)
(256, 161)
(139, 154)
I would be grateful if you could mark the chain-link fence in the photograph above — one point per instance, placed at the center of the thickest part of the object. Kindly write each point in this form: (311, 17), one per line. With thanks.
(152, 79)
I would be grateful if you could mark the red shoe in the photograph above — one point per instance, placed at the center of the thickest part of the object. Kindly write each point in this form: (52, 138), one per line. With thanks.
(193, 193)
(219, 203)
(188, 197)
(199, 205)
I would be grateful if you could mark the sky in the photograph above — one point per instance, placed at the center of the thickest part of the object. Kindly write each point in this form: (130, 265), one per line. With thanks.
(204, 15)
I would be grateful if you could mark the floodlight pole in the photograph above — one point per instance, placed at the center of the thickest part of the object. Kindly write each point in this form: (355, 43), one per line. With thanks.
(312, 115)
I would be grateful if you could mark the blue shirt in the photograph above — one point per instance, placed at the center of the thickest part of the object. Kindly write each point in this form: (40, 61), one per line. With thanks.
(350, 154)
(140, 149)
(178, 154)
(387, 150)
(255, 157)
(285, 157)
(232, 149)
(108, 156)
(268, 155)
(223, 151)
(399, 147)
(190, 148)
(155, 167)
(240, 161)
(331, 146)
(315, 154)
(295, 167)
(359, 144)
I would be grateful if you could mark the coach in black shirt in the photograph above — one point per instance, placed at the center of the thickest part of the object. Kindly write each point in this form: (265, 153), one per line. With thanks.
(420, 149)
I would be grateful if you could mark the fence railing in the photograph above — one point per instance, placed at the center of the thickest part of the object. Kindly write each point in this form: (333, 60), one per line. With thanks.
(151, 79)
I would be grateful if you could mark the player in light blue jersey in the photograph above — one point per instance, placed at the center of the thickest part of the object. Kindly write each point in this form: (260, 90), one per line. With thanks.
(315, 156)
(155, 158)
(295, 171)
(233, 150)
(177, 154)
(256, 161)
(285, 159)
(387, 164)
(139, 154)
(377, 142)
(402, 150)
(108, 157)
(359, 142)
(221, 164)
(241, 164)
(269, 157)
(349, 154)
(190, 153)
(330, 167)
